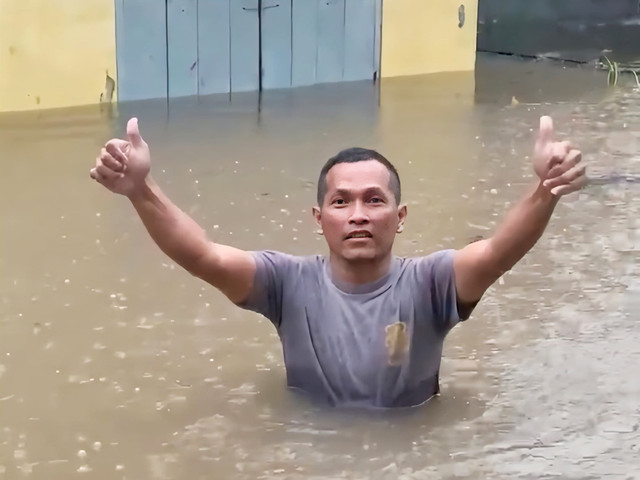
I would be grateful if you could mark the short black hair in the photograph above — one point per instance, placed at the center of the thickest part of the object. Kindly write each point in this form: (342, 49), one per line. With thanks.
(353, 155)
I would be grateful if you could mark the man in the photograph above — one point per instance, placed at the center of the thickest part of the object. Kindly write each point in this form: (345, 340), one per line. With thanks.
(360, 327)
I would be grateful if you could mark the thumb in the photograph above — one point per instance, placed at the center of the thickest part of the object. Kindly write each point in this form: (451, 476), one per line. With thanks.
(545, 135)
(133, 134)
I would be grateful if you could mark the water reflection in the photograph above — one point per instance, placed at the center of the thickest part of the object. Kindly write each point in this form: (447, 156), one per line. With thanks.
(114, 363)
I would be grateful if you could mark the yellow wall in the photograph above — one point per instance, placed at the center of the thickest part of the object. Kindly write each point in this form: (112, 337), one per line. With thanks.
(422, 36)
(55, 53)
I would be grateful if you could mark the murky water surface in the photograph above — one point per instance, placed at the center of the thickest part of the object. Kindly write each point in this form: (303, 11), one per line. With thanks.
(114, 363)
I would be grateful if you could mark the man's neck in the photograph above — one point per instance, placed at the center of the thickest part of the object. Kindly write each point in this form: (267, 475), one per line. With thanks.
(358, 272)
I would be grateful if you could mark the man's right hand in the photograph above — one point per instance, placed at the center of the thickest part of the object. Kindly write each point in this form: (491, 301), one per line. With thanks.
(123, 165)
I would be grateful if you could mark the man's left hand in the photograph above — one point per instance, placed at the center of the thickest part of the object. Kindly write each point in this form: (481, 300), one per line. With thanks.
(557, 164)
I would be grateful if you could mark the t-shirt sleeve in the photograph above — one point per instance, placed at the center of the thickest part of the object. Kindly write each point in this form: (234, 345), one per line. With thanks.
(436, 271)
(272, 268)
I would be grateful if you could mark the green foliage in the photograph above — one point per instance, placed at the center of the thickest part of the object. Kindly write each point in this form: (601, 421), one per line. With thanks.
(615, 68)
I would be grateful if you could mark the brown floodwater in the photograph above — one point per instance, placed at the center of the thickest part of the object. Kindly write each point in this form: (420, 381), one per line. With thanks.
(115, 363)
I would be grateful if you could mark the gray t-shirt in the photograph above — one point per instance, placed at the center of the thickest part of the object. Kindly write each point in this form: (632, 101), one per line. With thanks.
(373, 345)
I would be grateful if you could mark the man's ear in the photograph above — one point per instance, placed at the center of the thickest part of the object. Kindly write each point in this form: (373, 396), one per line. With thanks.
(402, 216)
(317, 216)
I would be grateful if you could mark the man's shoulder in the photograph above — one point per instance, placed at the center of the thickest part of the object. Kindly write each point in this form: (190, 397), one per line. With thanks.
(286, 261)
(425, 269)
(433, 259)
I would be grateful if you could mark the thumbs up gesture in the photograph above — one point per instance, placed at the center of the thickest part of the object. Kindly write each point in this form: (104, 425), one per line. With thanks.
(557, 164)
(123, 165)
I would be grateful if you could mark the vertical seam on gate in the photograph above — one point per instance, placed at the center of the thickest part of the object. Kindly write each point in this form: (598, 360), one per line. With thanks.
(166, 43)
(291, 45)
(259, 45)
(316, 42)
(344, 37)
(198, 48)
(379, 29)
(230, 39)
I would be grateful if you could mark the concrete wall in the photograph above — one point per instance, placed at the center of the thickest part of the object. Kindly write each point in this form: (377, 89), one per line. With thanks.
(425, 36)
(570, 29)
(55, 53)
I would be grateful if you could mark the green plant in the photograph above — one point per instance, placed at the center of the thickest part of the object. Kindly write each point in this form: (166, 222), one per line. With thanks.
(616, 68)
(612, 78)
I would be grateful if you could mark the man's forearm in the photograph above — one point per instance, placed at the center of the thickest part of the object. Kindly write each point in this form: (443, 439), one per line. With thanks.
(522, 228)
(177, 234)
(478, 265)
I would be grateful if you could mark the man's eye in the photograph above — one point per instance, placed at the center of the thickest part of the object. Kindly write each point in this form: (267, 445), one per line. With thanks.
(376, 200)
(339, 201)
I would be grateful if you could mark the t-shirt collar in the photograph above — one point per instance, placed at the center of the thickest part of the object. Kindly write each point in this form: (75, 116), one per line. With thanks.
(351, 288)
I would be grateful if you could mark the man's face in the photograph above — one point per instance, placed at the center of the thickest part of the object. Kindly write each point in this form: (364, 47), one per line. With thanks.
(359, 215)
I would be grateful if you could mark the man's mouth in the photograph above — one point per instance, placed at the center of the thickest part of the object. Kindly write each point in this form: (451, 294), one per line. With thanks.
(359, 234)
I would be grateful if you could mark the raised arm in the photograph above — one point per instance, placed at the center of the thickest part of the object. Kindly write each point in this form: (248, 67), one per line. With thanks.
(478, 265)
(123, 167)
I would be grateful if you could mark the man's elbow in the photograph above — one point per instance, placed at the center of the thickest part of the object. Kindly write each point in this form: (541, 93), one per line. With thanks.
(489, 266)
(496, 261)
(201, 263)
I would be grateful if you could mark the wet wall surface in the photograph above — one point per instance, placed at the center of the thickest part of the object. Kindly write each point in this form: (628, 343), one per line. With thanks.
(576, 30)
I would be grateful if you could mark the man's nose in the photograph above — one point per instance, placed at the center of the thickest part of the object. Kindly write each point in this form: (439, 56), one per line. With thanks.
(359, 214)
